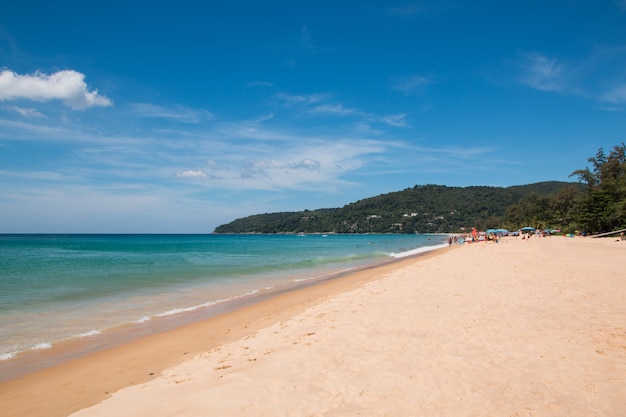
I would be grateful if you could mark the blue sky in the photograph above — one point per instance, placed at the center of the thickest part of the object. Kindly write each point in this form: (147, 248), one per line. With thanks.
(175, 117)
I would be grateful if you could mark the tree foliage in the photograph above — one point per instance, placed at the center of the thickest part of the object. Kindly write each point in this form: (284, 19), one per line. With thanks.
(422, 209)
(603, 205)
(596, 204)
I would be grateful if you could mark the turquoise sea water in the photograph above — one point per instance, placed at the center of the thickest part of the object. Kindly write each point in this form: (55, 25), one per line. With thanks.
(55, 288)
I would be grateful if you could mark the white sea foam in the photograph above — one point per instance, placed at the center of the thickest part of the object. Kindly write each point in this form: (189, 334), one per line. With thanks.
(185, 309)
(246, 294)
(144, 319)
(416, 251)
(42, 346)
(7, 356)
(89, 333)
(180, 310)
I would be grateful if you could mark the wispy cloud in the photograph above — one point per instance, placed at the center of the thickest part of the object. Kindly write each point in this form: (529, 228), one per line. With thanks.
(309, 162)
(264, 118)
(616, 95)
(398, 120)
(68, 86)
(30, 112)
(290, 100)
(588, 78)
(191, 173)
(542, 73)
(409, 85)
(178, 113)
(319, 105)
(337, 109)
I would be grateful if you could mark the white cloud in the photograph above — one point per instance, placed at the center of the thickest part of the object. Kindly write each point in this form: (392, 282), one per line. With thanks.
(409, 85)
(179, 113)
(264, 118)
(190, 173)
(292, 100)
(308, 163)
(597, 77)
(68, 86)
(397, 120)
(24, 112)
(616, 95)
(543, 73)
(336, 109)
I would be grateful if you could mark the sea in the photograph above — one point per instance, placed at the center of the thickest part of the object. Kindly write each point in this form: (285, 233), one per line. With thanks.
(74, 287)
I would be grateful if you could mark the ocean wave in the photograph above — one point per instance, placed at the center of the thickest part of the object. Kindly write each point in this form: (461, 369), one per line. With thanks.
(87, 334)
(7, 356)
(416, 251)
(143, 319)
(180, 310)
(42, 346)
(246, 294)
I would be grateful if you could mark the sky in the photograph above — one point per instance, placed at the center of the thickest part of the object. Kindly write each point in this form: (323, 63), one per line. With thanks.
(176, 117)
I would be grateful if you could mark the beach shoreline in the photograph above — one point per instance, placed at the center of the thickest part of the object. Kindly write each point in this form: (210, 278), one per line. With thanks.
(521, 327)
(33, 390)
(59, 352)
(89, 292)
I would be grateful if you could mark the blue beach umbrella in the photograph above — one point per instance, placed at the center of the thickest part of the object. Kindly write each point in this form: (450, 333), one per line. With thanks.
(527, 229)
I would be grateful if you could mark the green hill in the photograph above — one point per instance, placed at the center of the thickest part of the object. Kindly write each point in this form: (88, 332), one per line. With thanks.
(421, 209)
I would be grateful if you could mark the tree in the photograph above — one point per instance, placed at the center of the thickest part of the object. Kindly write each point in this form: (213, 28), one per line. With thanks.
(533, 210)
(603, 207)
(563, 205)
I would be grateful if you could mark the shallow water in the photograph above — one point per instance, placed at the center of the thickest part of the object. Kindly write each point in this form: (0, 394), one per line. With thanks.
(55, 288)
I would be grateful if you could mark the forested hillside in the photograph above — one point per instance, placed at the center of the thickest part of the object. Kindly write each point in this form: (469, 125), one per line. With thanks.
(421, 209)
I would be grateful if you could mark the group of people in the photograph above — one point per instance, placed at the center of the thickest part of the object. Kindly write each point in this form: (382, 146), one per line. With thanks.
(495, 237)
(461, 239)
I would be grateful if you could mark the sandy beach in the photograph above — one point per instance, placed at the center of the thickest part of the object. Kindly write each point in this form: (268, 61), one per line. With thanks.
(521, 328)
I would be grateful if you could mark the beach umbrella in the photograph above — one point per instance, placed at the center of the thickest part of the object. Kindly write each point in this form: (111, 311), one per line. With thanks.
(527, 229)
(491, 231)
(502, 231)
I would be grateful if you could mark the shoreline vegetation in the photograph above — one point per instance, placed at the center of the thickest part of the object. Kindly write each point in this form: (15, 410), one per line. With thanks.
(596, 204)
(532, 326)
